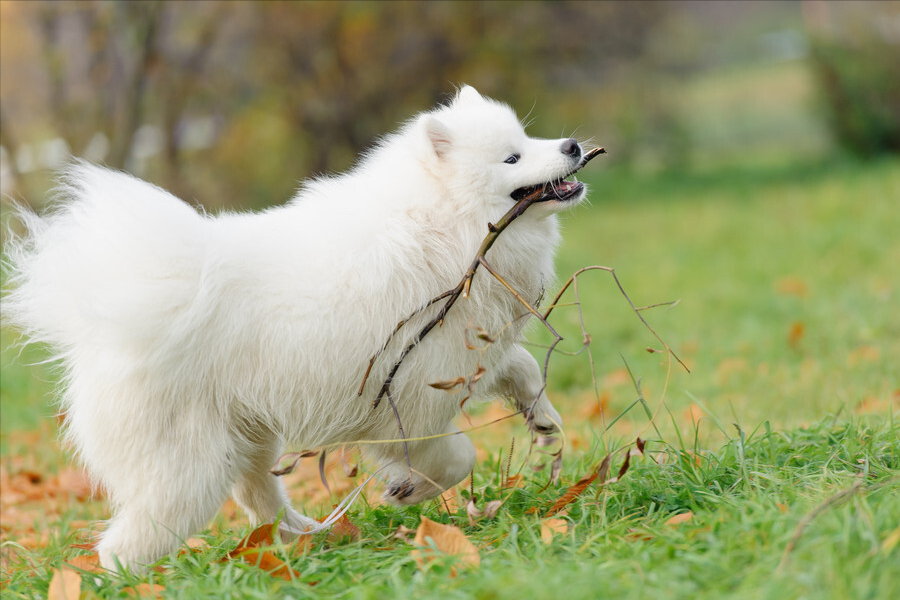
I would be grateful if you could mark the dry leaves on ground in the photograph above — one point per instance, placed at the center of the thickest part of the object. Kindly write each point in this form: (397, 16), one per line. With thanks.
(447, 539)
(552, 526)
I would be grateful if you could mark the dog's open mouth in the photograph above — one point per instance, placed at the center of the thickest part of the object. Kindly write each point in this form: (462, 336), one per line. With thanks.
(561, 189)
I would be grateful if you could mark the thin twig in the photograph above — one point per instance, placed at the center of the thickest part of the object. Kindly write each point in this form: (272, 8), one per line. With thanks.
(805, 521)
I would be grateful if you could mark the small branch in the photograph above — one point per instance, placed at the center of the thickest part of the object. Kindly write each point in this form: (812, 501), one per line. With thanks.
(637, 310)
(452, 295)
(805, 521)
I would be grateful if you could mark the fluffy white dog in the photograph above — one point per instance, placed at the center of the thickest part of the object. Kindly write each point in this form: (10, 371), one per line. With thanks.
(195, 346)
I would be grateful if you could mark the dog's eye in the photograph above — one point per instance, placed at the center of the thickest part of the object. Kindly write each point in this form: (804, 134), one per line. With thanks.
(513, 159)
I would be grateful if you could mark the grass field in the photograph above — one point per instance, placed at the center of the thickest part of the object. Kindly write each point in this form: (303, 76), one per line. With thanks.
(778, 455)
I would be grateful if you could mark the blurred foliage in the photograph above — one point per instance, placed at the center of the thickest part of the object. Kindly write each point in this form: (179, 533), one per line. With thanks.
(232, 103)
(856, 60)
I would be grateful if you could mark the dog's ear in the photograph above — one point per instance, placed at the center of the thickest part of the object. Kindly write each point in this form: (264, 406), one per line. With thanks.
(438, 135)
(467, 94)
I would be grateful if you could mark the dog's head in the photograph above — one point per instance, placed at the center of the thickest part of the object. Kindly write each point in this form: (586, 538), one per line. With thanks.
(478, 148)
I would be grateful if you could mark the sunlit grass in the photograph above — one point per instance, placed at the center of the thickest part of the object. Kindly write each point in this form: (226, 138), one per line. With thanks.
(787, 318)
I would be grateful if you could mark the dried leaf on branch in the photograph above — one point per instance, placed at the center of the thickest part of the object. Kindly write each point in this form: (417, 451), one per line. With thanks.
(476, 514)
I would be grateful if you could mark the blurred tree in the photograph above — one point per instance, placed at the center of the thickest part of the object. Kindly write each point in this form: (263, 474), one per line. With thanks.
(856, 56)
(188, 93)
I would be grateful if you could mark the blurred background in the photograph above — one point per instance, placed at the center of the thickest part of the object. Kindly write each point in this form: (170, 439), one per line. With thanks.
(753, 170)
(230, 104)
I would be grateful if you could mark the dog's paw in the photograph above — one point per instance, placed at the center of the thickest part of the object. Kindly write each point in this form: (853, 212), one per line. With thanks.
(399, 492)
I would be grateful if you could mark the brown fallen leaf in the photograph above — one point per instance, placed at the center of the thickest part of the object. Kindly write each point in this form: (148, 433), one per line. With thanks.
(796, 333)
(64, 585)
(448, 539)
(513, 482)
(249, 551)
(679, 518)
(342, 531)
(86, 562)
(144, 590)
(576, 490)
(551, 526)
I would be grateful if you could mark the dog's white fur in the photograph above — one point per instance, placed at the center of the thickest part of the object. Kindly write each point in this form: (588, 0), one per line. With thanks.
(195, 346)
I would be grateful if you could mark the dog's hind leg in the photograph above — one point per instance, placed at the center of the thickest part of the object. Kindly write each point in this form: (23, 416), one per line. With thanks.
(262, 494)
(161, 494)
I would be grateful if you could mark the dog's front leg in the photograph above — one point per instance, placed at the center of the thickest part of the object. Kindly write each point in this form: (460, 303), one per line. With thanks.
(521, 380)
(435, 465)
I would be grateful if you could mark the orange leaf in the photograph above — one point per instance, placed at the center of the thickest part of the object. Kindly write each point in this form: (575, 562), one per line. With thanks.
(551, 526)
(145, 590)
(792, 286)
(261, 536)
(574, 491)
(342, 530)
(796, 332)
(64, 585)
(679, 518)
(446, 538)
(86, 562)
(513, 482)
(248, 551)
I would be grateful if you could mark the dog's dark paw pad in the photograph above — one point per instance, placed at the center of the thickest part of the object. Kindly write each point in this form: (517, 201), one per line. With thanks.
(400, 489)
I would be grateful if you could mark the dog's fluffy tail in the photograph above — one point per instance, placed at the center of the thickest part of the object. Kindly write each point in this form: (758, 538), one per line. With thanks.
(111, 263)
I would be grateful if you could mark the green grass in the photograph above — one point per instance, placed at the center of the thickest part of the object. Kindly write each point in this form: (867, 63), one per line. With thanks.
(788, 428)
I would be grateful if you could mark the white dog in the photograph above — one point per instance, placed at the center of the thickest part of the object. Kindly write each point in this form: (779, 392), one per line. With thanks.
(195, 346)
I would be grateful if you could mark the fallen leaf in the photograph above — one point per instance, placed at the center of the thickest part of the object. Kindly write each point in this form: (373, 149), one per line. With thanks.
(64, 585)
(679, 518)
(693, 413)
(638, 535)
(574, 491)
(448, 539)
(640, 445)
(796, 333)
(512, 482)
(551, 526)
(249, 551)
(617, 378)
(863, 353)
(86, 562)
(596, 407)
(144, 590)
(792, 286)
(343, 531)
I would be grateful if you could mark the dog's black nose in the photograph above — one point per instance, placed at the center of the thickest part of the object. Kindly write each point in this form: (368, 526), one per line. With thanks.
(571, 148)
